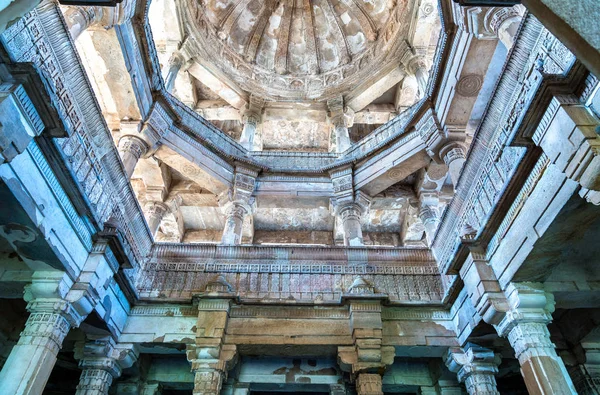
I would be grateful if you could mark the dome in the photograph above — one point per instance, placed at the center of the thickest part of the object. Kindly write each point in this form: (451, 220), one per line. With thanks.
(297, 49)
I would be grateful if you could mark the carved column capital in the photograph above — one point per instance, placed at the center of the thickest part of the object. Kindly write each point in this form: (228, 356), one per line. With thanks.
(452, 151)
(133, 145)
(476, 366)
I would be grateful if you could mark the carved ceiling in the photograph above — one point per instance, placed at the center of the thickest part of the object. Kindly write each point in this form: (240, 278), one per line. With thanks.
(300, 49)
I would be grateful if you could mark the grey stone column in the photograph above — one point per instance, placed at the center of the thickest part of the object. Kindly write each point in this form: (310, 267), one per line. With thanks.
(251, 123)
(350, 214)
(476, 367)
(369, 384)
(155, 211)
(525, 326)
(175, 62)
(341, 122)
(235, 212)
(95, 381)
(430, 217)
(79, 18)
(131, 149)
(337, 389)
(454, 155)
(32, 359)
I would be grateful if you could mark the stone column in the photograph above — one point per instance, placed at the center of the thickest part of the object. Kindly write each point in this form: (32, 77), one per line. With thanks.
(525, 325)
(426, 390)
(430, 217)
(79, 18)
(235, 212)
(341, 121)
(131, 149)
(454, 155)
(101, 362)
(155, 211)
(369, 384)
(251, 121)
(350, 214)
(476, 367)
(175, 62)
(210, 357)
(31, 360)
(418, 68)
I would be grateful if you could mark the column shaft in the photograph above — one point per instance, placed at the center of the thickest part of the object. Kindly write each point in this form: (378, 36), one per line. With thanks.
(369, 384)
(175, 63)
(32, 359)
(208, 382)
(80, 18)
(342, 138)
(430, 218)
(251, 121)
(94, 382)
(543, 370)
(481, 384)
(234, 221)
(350, 215)
(454, 155)
(131, 149)
(155, 212)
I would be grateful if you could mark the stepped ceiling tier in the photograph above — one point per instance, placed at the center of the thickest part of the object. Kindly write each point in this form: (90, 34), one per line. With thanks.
(298, 50)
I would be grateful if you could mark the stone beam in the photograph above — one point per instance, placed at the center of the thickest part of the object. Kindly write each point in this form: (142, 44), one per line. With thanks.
(219, 85)
(365, 95)
(195, 164)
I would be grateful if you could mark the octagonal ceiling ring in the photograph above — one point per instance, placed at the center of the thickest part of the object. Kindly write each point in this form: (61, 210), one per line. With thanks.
(297, 49)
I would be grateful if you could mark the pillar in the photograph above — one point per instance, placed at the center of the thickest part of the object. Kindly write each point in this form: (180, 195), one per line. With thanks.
(342, 120)
(155, 211)
(476, 367)
(235, 212)
(350, 214)
(369, 384)
(101, 361)
(79, 18)
(251, 122)
(131, 149)
(211, 359)
(429, 215)
(426, 390)
(454, 155)
(175, 62)
(32, 359)
(525, 325)
(418, 68)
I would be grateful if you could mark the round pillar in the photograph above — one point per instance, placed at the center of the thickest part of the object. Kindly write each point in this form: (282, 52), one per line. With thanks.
(429, 215)
(80, 18)
(251, 121)
(350, 215)
(131, 149)
(155, 211)
(234, 222)
(175, 62)
(455, 156)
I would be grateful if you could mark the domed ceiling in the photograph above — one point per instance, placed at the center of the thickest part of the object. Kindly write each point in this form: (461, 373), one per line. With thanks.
(299, 49)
